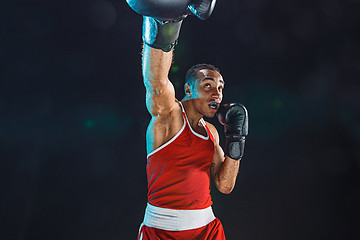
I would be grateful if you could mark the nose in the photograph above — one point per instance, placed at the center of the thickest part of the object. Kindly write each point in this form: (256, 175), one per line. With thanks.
(217, 91)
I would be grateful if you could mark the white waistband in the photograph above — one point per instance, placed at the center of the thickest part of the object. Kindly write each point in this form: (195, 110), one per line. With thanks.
(177, 220)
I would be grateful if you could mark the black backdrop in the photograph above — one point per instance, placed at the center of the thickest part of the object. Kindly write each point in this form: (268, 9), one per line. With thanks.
(73, 116)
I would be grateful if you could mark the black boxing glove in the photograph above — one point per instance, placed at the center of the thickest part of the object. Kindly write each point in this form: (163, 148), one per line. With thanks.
(161, 35)
(202, 8)
(163, 19)
(168, 10)
(234, 117)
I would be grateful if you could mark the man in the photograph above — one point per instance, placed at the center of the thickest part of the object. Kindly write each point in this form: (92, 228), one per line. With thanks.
(183, 150)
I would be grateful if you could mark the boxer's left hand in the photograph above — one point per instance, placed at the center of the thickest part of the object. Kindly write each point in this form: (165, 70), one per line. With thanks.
(234, 117)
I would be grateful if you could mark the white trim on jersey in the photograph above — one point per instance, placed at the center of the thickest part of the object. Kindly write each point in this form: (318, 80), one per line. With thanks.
(195, 133)
(168, 142)
(179, 132)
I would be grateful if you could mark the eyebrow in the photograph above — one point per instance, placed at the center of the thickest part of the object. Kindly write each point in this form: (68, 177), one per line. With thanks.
(212, 79)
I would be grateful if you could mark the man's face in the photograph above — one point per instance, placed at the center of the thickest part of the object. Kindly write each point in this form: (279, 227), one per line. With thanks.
(207, 92)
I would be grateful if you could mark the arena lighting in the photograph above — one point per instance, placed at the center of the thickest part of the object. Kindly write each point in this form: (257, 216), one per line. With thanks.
(175, 68)
(89, 123)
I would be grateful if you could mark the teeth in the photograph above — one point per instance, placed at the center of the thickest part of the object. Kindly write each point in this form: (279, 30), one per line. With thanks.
(213, 105)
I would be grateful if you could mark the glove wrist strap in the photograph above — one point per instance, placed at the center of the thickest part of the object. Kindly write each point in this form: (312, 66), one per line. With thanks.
(234, 147)
(161, 35)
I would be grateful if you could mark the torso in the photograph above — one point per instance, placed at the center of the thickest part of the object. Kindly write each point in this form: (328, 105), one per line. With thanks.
(178, 169)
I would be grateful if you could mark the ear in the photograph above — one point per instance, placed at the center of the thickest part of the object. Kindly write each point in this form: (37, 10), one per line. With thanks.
(187, 89)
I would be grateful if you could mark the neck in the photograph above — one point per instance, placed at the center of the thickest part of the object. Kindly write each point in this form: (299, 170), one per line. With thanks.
(191, 113)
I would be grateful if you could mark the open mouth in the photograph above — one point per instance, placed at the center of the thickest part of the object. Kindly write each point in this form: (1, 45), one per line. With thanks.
(213, 105)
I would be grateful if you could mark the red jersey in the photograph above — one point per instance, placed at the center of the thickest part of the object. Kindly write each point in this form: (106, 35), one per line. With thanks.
(178, 172)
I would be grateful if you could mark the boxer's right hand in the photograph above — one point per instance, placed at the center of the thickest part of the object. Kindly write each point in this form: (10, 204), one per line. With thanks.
(163, 19)
(234, 117)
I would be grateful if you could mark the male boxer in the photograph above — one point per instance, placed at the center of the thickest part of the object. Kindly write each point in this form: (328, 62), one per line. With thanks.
(183, 150)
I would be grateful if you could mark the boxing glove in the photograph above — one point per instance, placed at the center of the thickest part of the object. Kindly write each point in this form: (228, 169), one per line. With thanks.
(163, 18)
(234, 117)
(159, 34)
(168, 10)
(202, 8)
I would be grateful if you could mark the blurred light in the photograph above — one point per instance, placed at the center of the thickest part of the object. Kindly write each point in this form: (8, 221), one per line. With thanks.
(178, 83)
(273, 110)
(89, 123)
(277, 103)
(175, 68)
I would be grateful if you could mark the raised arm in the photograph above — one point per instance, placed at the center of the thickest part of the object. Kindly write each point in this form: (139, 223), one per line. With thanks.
(161, 27)
(159, 37)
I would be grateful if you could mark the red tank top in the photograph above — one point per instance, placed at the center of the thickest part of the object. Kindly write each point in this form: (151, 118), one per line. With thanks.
(178, 172)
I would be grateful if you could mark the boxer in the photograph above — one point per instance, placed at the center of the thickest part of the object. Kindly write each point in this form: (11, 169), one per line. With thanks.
(183, 150)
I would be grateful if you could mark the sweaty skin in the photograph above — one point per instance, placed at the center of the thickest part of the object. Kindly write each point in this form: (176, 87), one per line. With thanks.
(165, 109)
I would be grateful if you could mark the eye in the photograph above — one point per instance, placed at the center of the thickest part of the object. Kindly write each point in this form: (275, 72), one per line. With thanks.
(207, 85)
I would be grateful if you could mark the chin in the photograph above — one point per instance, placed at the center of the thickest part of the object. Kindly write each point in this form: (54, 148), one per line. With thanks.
(210, 115)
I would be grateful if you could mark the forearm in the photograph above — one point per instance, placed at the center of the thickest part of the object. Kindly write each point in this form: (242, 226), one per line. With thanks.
(226, 176)
(155, 67)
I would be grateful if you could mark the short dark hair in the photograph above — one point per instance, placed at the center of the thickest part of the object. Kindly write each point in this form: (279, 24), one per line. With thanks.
(191, 73)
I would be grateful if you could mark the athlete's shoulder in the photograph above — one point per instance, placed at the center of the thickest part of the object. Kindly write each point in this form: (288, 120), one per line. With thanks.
(211, 127)
(213, 131)
(172, 122)
(177, 110)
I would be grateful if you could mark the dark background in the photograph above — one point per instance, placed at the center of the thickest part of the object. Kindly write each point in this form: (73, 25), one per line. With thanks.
(73, 117)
